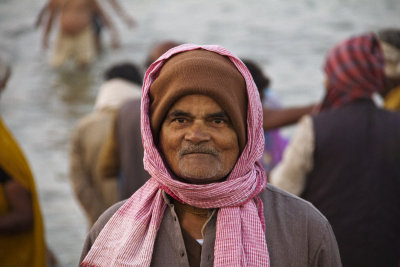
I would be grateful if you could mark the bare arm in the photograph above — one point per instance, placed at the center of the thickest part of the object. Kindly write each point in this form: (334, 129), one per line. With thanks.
(276, 118)
(121, 12)
(107, 22)
(20, 216)
(53, 8)
(41, 14)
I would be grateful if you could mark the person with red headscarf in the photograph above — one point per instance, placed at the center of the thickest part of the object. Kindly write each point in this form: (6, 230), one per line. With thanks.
(345, 159)
(207, 202)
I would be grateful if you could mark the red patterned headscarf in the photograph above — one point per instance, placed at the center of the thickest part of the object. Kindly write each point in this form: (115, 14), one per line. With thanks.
(128, 237)
(354, 69)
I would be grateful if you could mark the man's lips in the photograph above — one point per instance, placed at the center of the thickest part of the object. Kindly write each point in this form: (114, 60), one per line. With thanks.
(192, 153)
(197, 150)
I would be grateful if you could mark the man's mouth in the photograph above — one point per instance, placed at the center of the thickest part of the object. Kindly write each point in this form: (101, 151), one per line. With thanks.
(197, 150)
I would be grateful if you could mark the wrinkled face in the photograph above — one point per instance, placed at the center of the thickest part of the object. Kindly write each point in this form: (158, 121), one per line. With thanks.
(198, 141)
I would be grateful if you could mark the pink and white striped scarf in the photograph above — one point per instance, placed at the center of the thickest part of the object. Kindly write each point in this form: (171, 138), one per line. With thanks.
(128, 237)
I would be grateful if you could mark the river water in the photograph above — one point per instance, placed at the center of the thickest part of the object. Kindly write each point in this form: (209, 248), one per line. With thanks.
(288, 38)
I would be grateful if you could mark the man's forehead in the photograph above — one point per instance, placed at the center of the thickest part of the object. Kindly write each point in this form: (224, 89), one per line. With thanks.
(197, 103)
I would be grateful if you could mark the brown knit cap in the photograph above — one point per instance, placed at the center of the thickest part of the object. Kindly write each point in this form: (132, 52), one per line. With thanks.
(200, 72)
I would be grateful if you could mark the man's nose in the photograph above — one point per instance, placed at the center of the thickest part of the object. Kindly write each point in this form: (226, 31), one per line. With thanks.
(197, 133)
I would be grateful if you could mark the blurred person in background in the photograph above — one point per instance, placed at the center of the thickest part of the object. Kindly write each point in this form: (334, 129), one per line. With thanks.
(275, 142)
(99, 23)
(22, 238)
(158, 49)
(122, 13)
(345, 159)
(122, 153)
(76, 38)
(122, 83)
(275, 116)
(97, 20)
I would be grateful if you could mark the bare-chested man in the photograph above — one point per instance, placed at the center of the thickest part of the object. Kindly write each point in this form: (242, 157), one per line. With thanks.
(76, 37)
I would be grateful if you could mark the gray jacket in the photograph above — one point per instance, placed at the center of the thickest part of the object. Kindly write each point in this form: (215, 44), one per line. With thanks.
(297, 234)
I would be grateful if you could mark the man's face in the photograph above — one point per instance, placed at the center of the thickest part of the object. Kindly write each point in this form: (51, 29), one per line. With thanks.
(198, 141)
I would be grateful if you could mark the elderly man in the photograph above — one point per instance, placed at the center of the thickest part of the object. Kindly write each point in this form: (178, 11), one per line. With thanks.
(207, 202)
(345, 159)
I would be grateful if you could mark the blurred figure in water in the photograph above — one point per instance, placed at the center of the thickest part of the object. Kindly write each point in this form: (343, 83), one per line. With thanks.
(390, 43)
(97, 20)
(345, 159)
(99, 23)
(76, 36)
(122, 83)
(22, 240)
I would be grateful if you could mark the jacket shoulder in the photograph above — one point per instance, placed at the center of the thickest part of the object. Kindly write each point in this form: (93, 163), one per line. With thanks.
(295, 227)
(276, 200)
(97, 227)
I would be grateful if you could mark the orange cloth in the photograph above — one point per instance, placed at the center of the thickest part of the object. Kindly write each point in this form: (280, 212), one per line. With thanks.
(392, 100)
(28, 248)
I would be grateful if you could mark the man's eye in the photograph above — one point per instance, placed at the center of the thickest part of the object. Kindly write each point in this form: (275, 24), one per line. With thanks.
(218, 121)
(180, 120)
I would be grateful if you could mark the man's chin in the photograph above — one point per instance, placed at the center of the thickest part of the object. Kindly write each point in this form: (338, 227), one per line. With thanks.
(199, 172)
(198, 162)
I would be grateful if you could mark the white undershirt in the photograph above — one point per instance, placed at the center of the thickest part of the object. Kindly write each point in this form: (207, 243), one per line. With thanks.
(290, 174)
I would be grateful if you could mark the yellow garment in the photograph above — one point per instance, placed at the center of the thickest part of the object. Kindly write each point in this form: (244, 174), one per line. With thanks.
(25, 249)
(392, 100)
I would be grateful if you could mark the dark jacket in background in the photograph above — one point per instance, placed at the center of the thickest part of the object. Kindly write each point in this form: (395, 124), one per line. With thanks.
(355, 182)
(129, 144)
